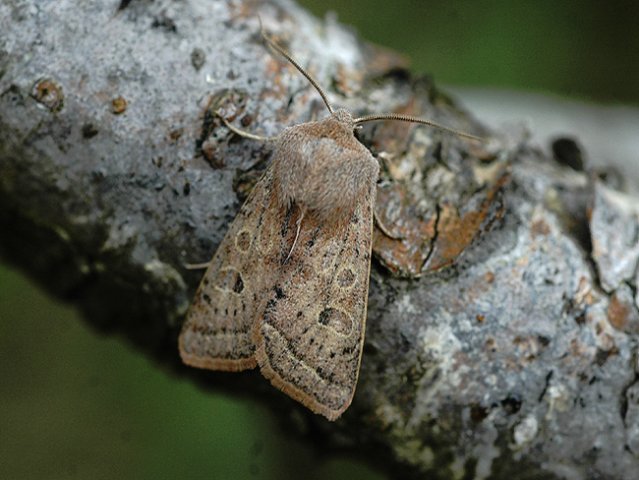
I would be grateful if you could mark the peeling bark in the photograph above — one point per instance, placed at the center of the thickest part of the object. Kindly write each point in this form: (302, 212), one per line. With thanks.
(514, 356)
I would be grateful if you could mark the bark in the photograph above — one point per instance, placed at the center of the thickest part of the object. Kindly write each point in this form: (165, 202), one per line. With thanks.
(502, 327)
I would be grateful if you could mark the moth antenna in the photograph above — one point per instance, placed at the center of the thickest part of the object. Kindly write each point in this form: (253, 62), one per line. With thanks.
(409, 118)
(242, 133)
(297, 235)
(271, 43)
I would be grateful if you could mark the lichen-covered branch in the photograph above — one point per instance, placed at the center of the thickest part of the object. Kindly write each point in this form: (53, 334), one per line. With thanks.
(503, 318)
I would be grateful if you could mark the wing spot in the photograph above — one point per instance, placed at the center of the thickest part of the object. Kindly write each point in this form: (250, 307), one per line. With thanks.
(243, 241)
(346, 277)
(307, 272)
(239, 284)
(230, 280)
(206, 298)
(330, 255)
(337, 320)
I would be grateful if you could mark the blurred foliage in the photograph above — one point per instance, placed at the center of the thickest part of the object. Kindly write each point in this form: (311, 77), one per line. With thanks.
(77, 405)
(582, 48)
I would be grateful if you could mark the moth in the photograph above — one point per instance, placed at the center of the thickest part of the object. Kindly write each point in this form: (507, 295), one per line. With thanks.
(287, 289)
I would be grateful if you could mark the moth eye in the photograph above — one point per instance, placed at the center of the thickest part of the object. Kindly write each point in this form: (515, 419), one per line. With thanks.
(337, 320)
(230, 280)
(243, 241)
(345, 278)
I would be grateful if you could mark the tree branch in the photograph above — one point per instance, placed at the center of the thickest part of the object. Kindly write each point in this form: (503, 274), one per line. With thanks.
(505, 339)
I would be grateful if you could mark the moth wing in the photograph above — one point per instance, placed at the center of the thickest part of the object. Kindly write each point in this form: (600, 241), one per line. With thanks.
(309, 341)
(217, 331)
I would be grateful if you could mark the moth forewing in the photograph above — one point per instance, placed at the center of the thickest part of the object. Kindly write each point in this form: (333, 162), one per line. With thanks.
(309, 340)
(231, 296)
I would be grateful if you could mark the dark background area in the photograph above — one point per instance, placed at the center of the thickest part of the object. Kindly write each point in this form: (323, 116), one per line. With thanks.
(75, 404)
(584, 49)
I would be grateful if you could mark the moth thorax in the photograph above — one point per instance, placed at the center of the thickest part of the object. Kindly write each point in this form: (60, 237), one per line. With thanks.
(322, 168)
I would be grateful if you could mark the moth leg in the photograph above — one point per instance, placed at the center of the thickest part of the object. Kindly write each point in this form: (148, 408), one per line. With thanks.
(196, 266)
(384, 229)
(242, 133)
(297, 234)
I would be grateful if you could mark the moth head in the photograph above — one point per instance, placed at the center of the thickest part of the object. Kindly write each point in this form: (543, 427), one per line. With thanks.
(344, 117)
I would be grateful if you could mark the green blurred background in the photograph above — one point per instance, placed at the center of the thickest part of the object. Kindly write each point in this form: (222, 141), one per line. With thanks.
(78, 405)
(586, 49)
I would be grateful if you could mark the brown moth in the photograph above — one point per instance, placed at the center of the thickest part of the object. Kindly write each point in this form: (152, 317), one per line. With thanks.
(287, 288)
